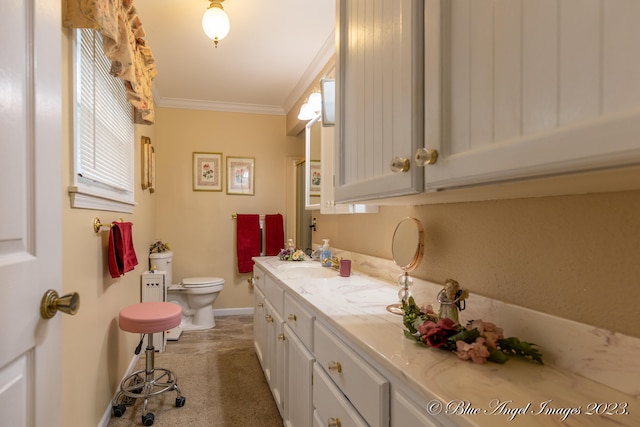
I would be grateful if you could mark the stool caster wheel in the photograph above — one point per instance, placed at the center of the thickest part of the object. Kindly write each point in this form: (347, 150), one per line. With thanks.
(147, 420)
(180, 401)
(118, 410)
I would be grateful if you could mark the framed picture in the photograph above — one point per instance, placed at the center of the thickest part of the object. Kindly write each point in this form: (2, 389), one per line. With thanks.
(328, 102)
(207, 171)
(240, 175)
(315, 177)
(148, 179)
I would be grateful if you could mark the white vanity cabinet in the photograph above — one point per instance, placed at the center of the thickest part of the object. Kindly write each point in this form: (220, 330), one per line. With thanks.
(524, 89)
(379, 98)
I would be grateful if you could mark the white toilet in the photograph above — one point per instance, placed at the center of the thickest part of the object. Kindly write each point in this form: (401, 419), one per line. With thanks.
(195, 294)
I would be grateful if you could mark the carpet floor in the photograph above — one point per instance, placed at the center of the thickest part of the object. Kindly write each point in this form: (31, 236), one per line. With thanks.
(219, 374)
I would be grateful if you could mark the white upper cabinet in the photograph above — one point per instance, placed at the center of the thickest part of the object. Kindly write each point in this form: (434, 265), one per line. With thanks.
(501, 89)
(379, 98)
(530, 88)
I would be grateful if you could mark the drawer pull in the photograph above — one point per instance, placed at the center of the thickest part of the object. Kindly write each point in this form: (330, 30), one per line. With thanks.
(335, 367)
(260, 305)
(333, 422)
(281, 337)
(293, 317)
(269, 318)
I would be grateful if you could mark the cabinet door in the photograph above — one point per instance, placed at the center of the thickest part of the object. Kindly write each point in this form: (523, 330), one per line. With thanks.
(379, 97)
(298, 378)
(274, 356)
(259, 326)
(522, 89)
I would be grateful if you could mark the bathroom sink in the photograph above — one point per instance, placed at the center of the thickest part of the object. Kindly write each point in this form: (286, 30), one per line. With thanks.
(297, 269)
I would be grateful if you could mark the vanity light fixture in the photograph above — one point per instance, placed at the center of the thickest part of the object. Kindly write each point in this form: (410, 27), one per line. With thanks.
(306, 113)
(215, 21)
(311, 107)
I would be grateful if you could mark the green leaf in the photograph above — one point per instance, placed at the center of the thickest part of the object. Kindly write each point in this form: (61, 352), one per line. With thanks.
(514, 346)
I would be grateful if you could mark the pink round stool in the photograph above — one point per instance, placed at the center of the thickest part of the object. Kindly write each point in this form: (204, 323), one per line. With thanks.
(148, 318)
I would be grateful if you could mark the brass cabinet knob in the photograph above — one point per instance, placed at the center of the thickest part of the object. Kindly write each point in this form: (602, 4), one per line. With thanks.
(425, 156)
(51, 303)
(334, 366)
(281, 337)
(260, 305)
(269, 318)
(293, 317)
(400, 164)
(333, 422)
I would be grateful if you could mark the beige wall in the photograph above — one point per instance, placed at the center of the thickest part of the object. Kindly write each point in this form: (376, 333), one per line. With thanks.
(96, 354)
(198, 224)
(571, 256)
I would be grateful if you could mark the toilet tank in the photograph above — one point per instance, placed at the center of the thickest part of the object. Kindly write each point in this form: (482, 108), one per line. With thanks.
(162, 261)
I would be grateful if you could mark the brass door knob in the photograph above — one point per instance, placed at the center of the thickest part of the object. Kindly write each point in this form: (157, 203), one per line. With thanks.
(51, 303)
(425, 156)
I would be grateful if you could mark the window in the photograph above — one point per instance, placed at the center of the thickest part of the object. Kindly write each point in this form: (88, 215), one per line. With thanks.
(103, 131)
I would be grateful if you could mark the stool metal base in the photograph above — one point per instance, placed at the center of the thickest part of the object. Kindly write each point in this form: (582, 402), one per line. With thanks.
(146, 383)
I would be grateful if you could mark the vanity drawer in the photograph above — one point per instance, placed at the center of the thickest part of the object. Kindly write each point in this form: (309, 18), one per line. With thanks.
(274, 294)
(300, 320)
(365, 388)
(258, 278)
(331, 407)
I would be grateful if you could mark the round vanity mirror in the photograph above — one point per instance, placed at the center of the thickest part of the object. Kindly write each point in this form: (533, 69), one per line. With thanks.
(407, 248)
(407, 244)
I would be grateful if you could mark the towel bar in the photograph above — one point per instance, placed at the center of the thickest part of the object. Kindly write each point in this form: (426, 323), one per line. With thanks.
(97, 224)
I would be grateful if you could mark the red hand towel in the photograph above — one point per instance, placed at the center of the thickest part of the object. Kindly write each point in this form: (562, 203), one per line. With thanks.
(247, 241)
(273, 234)
(122, 255)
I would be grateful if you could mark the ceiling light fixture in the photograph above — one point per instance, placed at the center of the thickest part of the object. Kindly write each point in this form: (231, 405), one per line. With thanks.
(215, 21)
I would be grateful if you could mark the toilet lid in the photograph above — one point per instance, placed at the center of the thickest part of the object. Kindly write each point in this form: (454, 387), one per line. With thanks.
(198, 282)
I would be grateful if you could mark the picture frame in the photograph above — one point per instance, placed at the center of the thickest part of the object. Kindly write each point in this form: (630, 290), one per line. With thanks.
(207, 171)
(315, 178)
(328, 91)
(241, 175)
(148, 168)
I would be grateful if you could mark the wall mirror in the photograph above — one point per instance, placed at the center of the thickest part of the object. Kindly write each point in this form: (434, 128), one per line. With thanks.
(407, 248)
(313, 172)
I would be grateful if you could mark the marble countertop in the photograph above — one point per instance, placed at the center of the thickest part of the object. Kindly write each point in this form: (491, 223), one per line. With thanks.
(519, 392)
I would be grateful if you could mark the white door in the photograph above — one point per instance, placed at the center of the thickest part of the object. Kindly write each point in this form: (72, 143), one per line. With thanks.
(30, 211)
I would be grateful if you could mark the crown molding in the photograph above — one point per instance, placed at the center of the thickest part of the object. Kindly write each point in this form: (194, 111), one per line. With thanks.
(233, 107)
(322, 58)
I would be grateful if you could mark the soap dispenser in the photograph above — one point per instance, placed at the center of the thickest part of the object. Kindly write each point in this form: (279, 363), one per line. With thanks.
(325, 255)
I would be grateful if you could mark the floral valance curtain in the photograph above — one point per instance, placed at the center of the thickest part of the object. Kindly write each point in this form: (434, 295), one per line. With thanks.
(124, 44)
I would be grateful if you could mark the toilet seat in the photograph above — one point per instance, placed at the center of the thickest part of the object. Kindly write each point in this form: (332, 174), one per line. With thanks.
(202, 282)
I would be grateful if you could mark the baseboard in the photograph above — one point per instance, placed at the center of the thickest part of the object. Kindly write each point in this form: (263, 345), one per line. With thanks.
(233, 311)
(104, 421)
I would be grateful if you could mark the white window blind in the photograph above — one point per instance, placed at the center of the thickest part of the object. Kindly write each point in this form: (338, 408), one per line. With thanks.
(104, 130)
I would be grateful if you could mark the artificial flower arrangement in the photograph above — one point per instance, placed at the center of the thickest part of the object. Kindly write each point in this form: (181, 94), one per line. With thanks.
(158, 246)
(291, 254)
(478, 341)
